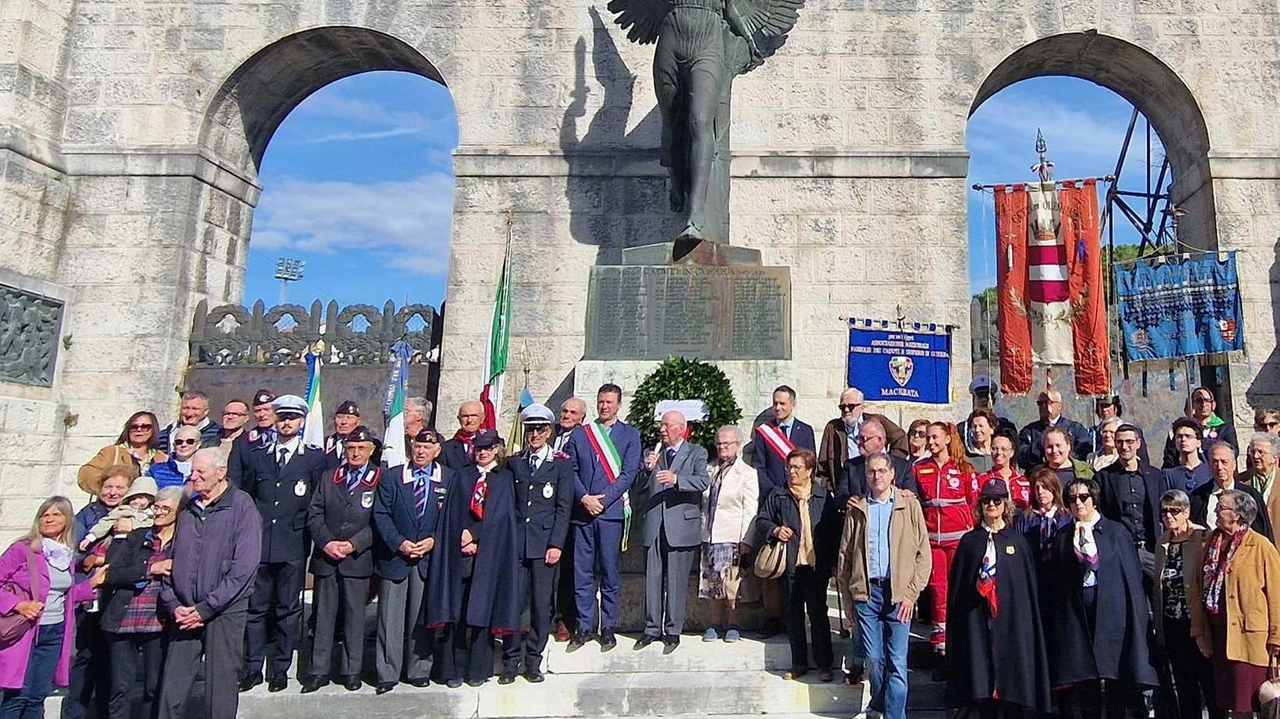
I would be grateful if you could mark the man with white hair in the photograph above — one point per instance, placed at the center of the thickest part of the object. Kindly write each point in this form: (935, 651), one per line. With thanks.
(840, 437)
(1260, 472)
(573, 412)
(216, 549)
(677, 475)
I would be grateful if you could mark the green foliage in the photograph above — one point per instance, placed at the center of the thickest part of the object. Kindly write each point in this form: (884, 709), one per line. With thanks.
(679, 378)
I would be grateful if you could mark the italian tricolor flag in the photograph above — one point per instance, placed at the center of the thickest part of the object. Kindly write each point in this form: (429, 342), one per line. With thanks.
(499, 342)
(313, 431)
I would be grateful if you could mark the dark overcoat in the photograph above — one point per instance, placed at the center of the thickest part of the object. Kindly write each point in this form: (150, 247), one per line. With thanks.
(1119, 646)
(1001, 656)
(494, 599)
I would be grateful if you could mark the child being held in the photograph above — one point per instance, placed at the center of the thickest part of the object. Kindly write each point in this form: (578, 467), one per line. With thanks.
(135, 507)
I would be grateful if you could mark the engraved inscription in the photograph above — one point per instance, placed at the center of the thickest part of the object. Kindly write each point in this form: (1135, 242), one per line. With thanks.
(29, 327)
(712, 313)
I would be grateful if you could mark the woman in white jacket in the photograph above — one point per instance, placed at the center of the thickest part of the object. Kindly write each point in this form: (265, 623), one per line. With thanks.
(729, 507)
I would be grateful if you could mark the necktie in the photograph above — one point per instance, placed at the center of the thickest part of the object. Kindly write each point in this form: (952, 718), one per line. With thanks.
(786, 429)
(283, 458)
(671, 456)
(420, 491)
(353, 478)
(533, 463)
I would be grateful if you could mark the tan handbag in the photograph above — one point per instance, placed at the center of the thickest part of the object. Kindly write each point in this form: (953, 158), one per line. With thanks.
(1269, 693)
(771, 560)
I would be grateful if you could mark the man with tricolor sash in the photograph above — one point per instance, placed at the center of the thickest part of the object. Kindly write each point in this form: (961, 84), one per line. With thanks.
(606, 457)
(773, 441)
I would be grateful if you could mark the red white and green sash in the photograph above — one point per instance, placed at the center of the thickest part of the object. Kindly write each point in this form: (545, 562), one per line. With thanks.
(602, 445)
(776, 440)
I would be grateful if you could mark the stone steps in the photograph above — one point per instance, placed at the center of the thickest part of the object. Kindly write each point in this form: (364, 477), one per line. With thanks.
(706, 693)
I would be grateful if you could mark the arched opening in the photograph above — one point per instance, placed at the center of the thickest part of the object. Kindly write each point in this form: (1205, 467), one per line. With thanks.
(1179, 132)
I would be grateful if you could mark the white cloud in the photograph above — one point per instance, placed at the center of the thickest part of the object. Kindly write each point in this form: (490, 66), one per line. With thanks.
(375, 121)
(406, 224)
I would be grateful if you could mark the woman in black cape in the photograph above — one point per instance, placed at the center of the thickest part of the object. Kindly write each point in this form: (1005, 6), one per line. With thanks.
(996, 649)
(1098, 616)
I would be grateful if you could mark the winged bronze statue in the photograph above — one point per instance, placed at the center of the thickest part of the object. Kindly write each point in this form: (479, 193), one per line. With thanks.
(702, 45)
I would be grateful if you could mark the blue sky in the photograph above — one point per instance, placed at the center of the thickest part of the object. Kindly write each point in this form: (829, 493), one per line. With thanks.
(358, 181)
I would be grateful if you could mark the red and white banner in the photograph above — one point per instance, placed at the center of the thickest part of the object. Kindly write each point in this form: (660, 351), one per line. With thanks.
(1049, 275)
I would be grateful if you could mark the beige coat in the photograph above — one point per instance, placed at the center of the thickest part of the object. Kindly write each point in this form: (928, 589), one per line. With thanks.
(1252, 602)
(910, 561)
(1192, 562)
(89, 478)
(737, 507)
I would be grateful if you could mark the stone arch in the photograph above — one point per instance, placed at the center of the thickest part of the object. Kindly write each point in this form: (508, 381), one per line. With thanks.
(1151, 86)
(256, 97)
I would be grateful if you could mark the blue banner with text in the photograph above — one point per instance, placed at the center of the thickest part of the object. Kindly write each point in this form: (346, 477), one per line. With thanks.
(1180, 306)
(907, 362)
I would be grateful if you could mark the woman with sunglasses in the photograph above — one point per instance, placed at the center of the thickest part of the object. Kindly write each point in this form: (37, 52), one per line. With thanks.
(1097, 613)
(1179, 551)
(917, 440)
(1004, 453)
(174, 471)
(136, 446)
(996, 648)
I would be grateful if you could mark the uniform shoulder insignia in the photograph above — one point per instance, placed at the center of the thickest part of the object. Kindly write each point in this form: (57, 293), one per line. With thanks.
(560, 455)
(253, 435)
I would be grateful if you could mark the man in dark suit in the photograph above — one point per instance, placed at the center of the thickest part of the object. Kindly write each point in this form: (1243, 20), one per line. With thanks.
(776, 438)
(340, 519)
(1131, 490)
(606, 460)
(572, 412)
(280, 477)
(405, 511)
(672, 530)
(871, 441)
(1031, 438)
(459, 451)
(1204, 500)
(262, 434)
(544, 499)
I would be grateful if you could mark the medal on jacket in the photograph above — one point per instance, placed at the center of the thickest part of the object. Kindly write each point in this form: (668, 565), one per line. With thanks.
(300, 488)
(547, 491)
(366, 500)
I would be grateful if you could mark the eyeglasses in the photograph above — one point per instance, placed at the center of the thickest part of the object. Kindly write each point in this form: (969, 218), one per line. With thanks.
(1171, 511)
(161, 509)
(180, 442)
(849, 407)
(229, 413)
(1270, 425)
(140, 427)
(725, 444)
(1081, 498)
(992, 500)
(917, 433)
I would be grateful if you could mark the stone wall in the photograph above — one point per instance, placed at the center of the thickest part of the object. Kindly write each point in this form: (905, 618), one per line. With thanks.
(130, 134)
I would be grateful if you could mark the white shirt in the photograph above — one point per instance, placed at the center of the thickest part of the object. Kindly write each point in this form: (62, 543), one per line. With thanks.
(1211, 507)
(290, 448)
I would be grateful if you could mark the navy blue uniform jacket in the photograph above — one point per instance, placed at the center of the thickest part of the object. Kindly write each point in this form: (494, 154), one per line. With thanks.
(395, 519)
(282, 498)
(544, 500)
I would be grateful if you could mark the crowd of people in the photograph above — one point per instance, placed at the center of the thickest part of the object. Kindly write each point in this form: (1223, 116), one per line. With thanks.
(1059, 569)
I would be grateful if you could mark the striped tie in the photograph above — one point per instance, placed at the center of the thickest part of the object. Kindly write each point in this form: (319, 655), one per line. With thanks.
(353, 479)
(420, 491)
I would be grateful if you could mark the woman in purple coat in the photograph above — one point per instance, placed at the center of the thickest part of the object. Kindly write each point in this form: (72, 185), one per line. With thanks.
(42, 657)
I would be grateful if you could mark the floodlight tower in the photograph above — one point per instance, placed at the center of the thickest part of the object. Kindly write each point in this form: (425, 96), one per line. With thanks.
(288, 269)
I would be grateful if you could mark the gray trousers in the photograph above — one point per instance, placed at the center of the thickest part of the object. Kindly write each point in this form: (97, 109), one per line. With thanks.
(221, 645)
(403, 638)
(333, 596)
(666, 587)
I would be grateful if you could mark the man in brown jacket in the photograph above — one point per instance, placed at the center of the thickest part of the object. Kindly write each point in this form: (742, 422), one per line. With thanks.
(884, 565)
(839, 437)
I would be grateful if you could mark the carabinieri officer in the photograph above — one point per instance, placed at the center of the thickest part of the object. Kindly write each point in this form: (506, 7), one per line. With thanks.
(280, 477)
(544, 499)
(340, 519)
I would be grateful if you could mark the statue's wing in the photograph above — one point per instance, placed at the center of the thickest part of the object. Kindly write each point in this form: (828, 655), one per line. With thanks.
(771, 18)
(642, 19)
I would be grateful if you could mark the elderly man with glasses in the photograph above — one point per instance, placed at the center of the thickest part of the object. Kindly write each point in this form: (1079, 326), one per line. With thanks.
(1031, 438)
(871, 441)
(1260, 472)
(839, 437)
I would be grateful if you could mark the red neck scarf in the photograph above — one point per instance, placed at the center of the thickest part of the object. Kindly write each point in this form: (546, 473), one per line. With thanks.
(478, 495)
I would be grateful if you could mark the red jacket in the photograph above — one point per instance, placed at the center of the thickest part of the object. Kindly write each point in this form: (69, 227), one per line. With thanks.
(1019, 487)
(948, 496)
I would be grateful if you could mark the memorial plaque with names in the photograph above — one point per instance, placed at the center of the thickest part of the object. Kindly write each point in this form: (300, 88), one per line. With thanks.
(651, 312)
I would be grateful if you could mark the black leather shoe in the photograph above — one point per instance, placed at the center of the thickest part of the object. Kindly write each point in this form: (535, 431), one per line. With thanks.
(577, 642)
(453, 683)
(607, 640)
(250, 681)
(476, 682)
(419, 682)
(384, 687)
(277, 684)
(351, 684)
(644, 641)
(534, 676)
(311, 684)
(670, 642)
(508, 676)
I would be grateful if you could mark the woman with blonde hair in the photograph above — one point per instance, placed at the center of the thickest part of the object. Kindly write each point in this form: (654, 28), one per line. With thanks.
(36, 576)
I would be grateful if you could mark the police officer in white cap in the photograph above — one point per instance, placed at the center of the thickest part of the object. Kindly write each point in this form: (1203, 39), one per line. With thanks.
(544, 498)
(983, 390)
(280, 476)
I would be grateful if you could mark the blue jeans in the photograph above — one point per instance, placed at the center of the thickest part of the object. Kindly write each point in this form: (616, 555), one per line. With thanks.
(28, 702)
(884, 645)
